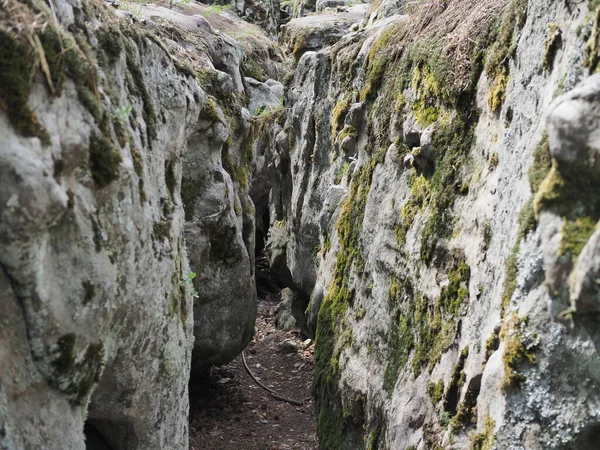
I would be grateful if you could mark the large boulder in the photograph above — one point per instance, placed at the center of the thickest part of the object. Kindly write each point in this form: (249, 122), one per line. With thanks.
(115, 155)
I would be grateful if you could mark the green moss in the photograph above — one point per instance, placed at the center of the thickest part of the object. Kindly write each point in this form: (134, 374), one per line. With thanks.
(138, 166)
(517, 351)
(402, 342)
(238, 173)
(104, 160)
(542, 163)
(66, 59)
(341, 172)
(139, 88)
(170, 178)
(457, 291)
(423, 327)
(511, 271)
(492, 344)
(420, 196)
(372, 442)
(457, 381)
(493, 161)
(504, 47)
(465, 417)
(497, 93)
(527, 218)
(379, 57)
(553, 42)
(484, 440)
(593, 44)
(428, 93)
(360, 314)
(111, 41)
(575, 234)
(435, 391)
(452, 141)
(337, 116)
(162, 229)
(348, 130)
(326, 246)
(332, 333)
(16, 62)
(570, 192)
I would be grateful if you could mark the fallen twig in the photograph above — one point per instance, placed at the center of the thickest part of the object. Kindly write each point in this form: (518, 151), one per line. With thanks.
(274, 394)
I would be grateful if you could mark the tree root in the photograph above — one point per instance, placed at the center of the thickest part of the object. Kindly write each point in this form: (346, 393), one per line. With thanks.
(274, 394)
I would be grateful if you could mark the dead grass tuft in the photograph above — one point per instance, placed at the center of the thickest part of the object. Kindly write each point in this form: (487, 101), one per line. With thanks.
(459, 24)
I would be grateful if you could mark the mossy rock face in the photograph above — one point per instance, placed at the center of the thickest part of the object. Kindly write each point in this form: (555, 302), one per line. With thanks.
(75, 375)
(104, 160)
(497, 64)
(332, 334)
(17, 62)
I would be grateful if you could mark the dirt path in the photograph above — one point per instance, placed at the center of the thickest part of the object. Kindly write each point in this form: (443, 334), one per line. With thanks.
(228, 411)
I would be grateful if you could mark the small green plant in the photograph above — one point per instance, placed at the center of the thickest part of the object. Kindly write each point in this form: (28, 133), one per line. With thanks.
(121, 114)
(215, 9)
(445, 418)
(179, 2)
(135, 8)
(188, 279)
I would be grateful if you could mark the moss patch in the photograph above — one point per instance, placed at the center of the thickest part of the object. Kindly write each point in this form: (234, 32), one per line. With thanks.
(72, 375)
(542, 163)
(16, 70)
(503, 50)
(104, 160)
(453, 141)
(337, 116)
(517, 351)
(435, 391)
(553, 43)
(538, 171)
(138, 87)
(484, 440)
(333, 331)
(575, 234)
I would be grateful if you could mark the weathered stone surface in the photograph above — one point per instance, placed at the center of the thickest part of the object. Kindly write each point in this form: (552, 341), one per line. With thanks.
(284, 320)
(397, 366)
(96, 320)
(316, 31)
(262, 96)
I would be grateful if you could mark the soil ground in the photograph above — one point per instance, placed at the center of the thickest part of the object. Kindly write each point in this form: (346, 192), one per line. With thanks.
(229, 411)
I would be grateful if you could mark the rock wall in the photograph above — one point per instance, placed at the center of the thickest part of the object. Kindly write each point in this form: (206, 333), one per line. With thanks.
(123, 139)
(439, 206)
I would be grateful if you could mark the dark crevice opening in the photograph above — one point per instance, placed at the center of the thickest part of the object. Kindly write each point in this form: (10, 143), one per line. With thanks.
(104, 434)
(267, 282)
(94, 439)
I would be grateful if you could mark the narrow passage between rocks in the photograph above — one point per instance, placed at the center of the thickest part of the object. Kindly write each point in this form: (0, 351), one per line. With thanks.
(229, 411)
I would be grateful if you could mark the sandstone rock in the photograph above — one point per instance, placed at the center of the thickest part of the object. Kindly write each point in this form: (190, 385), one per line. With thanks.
(324, 4)
(262, 96)
(119, 172)
(96, 320)
(284, 320)
(316, 31)
(391, 239)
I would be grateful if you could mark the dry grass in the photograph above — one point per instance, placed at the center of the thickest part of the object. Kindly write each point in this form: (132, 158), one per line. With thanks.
(20, 19)
(459, 23)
